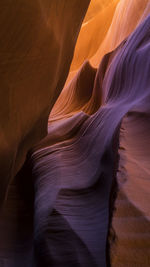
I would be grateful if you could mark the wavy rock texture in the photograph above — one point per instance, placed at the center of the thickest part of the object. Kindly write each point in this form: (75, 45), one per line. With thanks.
(60, 206)
(74, 166)
(113, 22)
(93, 30)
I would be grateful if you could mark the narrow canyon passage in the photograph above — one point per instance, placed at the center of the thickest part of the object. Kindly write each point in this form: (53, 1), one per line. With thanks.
(75, 133)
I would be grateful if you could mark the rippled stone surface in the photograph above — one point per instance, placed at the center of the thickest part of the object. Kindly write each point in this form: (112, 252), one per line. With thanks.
(60, 206)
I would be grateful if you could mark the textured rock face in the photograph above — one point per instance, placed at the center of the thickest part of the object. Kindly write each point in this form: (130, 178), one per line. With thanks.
(60, 205)
(74, 174)
(106, 25)
(37, 43)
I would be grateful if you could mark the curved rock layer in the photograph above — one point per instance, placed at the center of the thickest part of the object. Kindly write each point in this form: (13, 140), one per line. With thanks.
(74, 166)
(60, 205)
(113, 21)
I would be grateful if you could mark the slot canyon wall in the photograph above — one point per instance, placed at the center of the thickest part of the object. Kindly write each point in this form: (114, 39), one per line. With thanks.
(75, 115)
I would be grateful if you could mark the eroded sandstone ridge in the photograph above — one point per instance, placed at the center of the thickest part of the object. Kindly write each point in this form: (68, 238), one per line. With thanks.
(87, 181)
